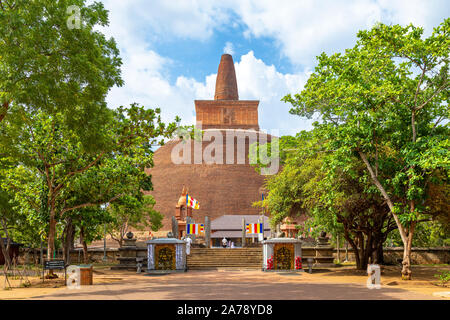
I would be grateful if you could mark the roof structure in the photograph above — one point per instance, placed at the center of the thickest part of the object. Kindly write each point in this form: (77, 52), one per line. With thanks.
(230, 226)
(234, 222)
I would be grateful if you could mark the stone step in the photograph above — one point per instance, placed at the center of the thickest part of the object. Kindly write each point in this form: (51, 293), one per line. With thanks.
(227, 249)
(223, 268)
(222, 262)
(223, 256)
(191, 256)
(226, 264)
(216, 258)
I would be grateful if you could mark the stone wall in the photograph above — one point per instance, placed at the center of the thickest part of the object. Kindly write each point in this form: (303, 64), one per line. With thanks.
(439, 255)
(391, 255)
(95, 255)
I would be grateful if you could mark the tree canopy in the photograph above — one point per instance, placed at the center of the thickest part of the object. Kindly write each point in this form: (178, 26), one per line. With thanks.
(385, 102)
(48, 67)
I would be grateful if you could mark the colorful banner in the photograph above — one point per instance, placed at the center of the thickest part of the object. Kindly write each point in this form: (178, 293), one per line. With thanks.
(191, 202)
(254, 228)
(194, 228)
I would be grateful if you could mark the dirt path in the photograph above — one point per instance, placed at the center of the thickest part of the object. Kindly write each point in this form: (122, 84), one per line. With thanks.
(342, 283)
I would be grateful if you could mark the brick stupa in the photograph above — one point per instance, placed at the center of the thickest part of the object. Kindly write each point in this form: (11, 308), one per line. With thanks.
(226, 111)
(221, 189)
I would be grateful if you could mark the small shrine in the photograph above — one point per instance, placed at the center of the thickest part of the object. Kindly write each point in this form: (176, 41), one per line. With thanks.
(282, 254)
(183, 215)
(166, 255)
(289, 227)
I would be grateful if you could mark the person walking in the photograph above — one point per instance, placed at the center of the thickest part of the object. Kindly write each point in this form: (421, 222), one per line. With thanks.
(188, 245)
(224, 242)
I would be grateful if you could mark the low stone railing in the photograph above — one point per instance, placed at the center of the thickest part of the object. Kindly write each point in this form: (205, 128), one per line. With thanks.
(437, 255)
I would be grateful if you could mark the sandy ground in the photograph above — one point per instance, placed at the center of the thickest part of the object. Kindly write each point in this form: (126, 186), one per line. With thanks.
(340, 283)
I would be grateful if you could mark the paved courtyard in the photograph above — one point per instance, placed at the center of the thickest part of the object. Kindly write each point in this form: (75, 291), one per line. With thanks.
(234, 284)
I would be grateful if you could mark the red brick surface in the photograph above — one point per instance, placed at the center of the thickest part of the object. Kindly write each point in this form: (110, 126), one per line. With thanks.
(220, 188)
(227, 114)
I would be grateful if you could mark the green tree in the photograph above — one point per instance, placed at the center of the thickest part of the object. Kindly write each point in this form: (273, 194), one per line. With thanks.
(128, 213)
(89, 224)
(385, 101)
(334, 200)
(47, 66)
(55, 174)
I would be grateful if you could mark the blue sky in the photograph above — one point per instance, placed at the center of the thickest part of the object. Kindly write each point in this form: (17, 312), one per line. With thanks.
(171, 49)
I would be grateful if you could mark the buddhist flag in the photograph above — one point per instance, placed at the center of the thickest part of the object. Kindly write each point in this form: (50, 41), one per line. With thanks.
(191, 202)
(194, 228)
(253, 228)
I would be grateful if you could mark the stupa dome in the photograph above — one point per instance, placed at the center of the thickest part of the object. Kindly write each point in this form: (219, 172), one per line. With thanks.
(222, 188)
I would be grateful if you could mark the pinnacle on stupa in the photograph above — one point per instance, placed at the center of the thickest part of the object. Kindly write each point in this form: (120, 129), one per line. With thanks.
(226, 84)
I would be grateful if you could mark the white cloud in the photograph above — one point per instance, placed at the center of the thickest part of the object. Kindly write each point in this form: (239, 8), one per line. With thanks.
(189, 19)
(256, 81)
(302, 29)
(228, 48)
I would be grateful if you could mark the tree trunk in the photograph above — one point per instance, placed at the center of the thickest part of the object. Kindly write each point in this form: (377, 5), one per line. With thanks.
(377, 254)
(364, 258)
(83, 242)
(5, 249)
(5, 107)
(51, 238)
(51, 241)
(368, 250)
(355, 250)
(69, 233)
(406, 263)
(406, 238)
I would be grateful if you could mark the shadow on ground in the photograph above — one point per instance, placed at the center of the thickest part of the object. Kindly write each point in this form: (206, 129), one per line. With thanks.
(220, 285)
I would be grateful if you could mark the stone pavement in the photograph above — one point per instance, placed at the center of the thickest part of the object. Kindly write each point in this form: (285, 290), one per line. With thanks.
(227, 285)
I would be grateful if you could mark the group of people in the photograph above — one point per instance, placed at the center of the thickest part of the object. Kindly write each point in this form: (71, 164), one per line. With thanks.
(227, 243)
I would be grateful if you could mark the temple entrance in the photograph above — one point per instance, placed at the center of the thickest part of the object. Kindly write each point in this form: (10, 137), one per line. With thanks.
(284, 256)
(165, 257)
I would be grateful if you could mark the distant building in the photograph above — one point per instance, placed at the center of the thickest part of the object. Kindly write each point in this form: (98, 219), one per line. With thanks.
(230, 227)
(13, 250)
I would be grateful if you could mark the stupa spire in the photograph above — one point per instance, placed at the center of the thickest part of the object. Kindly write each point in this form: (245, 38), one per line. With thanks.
(226, 84)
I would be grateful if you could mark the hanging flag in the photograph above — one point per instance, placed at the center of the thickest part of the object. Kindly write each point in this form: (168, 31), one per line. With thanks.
(194, 228)
(191, 202)
(254, 228)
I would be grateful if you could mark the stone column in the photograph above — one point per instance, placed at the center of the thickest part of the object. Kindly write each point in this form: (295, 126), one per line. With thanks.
(243, 232)
(175, 227)
(207, 232)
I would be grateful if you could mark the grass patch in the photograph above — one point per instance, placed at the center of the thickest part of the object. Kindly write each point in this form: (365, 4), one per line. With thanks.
(443, 277)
